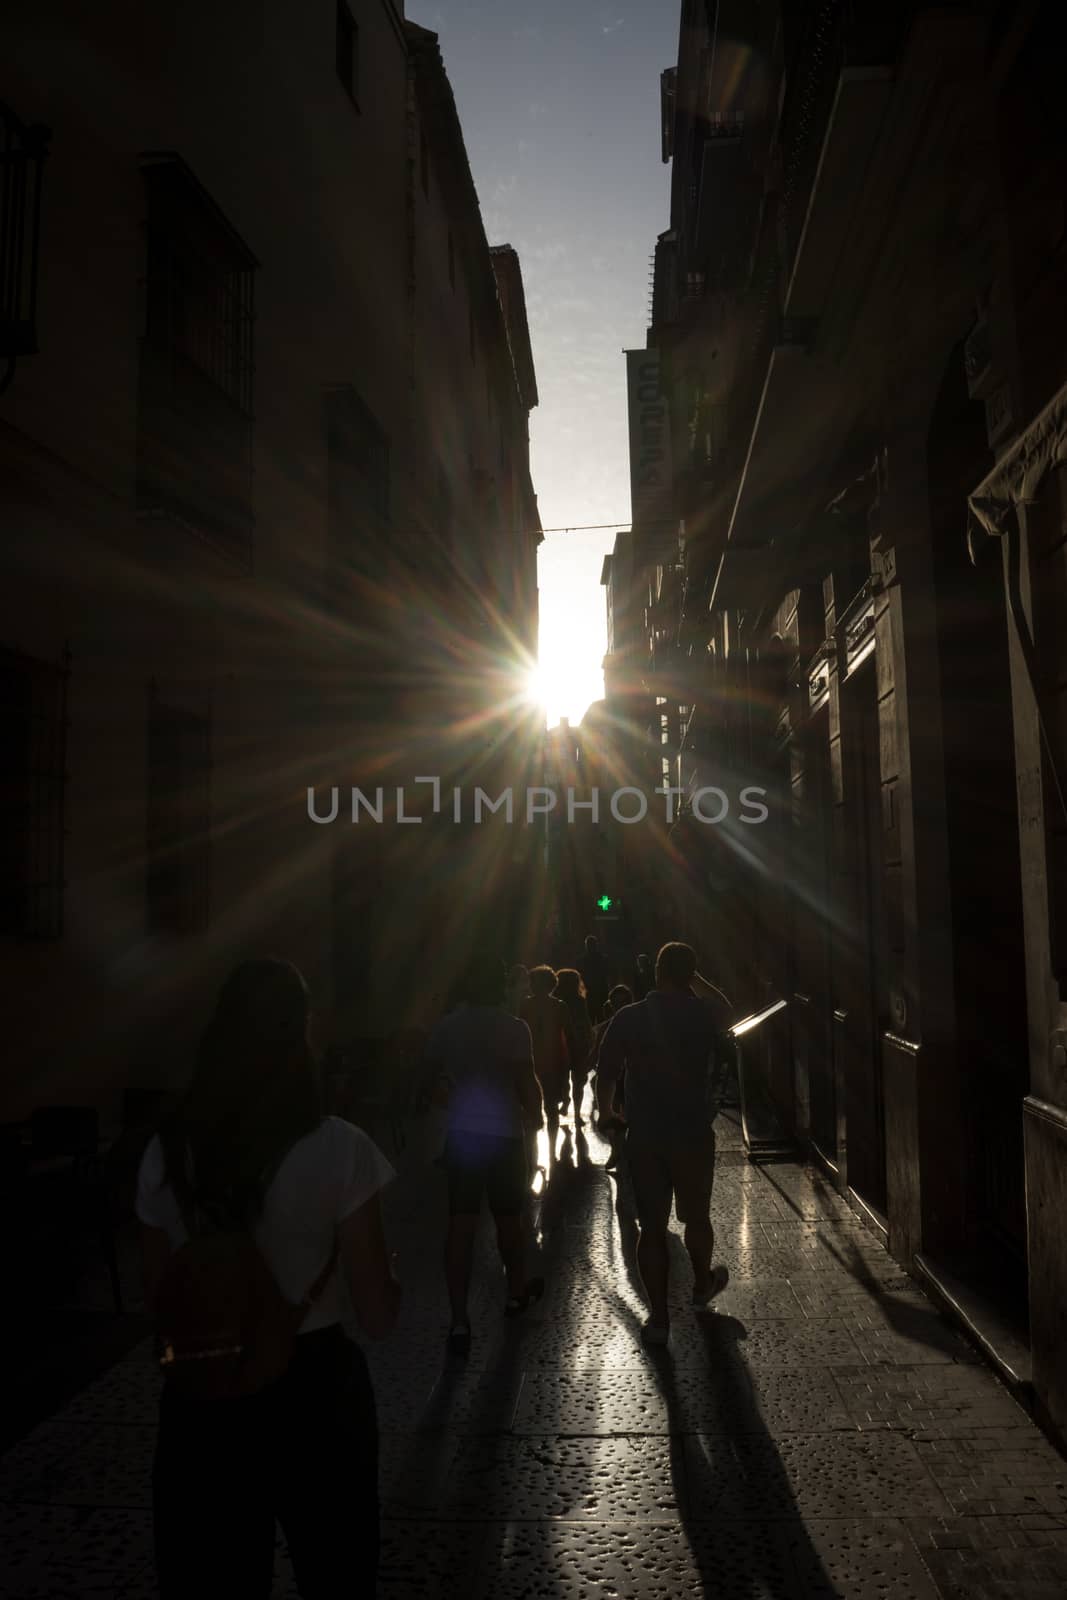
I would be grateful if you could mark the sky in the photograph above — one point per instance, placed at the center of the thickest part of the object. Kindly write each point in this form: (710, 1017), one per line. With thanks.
(559, 102)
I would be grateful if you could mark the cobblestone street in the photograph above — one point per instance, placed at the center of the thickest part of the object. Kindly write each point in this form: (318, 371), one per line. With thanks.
(823, 1433)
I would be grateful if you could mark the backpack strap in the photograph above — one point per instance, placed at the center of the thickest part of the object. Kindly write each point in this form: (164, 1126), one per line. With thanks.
(316, 1290)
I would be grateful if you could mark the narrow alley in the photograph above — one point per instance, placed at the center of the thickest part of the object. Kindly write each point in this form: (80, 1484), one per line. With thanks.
(821, 1433)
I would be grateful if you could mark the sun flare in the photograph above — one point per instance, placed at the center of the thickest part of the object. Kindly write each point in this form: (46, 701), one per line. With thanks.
(561, 688)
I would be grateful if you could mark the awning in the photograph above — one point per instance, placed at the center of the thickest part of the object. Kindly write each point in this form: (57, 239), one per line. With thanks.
(1017, 477)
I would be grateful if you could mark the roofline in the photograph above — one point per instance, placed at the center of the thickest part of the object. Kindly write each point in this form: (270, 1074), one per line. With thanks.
(424, 48)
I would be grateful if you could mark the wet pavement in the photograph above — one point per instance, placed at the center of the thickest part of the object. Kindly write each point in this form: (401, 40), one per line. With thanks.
(822, 1433)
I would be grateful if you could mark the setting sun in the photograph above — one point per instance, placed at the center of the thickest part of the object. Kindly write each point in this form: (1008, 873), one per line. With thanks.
(562, 684)
(568, 675)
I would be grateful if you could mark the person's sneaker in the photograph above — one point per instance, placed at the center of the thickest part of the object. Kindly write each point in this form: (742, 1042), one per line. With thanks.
(655, 1335)
(716, 1282)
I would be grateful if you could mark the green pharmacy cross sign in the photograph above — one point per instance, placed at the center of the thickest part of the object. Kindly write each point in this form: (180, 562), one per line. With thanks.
(605, 903)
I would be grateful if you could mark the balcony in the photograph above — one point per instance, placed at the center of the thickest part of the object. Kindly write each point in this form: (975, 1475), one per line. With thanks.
(856, 629)
(797, 413)
(856, 119)
(195, 418)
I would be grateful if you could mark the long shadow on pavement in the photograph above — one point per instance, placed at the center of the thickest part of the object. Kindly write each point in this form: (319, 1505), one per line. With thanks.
(727, 1470)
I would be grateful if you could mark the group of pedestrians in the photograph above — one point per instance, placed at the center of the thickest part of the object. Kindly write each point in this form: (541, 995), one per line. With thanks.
(259, 1213)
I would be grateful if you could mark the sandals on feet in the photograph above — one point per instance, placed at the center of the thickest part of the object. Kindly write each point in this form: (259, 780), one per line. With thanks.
(517, 1304)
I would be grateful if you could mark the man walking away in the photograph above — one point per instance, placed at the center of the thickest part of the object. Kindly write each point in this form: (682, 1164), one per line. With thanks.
(666, 1044)
(484, 1063)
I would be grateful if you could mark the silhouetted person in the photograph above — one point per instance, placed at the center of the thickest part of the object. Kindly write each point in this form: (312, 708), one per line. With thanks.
(571, 990)
(644, 977)
(248, 1155)
(667, 1045)
(483, 1059)
(550, 1025)
(613, 1127)
(518, 989)
(594, 971)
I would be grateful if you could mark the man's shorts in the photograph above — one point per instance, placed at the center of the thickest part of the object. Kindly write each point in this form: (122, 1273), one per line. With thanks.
(659, 1168)
(481, 1163)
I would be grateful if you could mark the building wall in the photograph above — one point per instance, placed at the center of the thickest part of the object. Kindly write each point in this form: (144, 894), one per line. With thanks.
(291, 655)
(892, 739)
(1031, 368)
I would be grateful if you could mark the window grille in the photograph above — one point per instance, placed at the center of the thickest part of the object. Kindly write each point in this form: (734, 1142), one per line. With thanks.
(725, 125)
(33, 779)
(178, 819)
(197, 363)
(22, 153)
(200, 283)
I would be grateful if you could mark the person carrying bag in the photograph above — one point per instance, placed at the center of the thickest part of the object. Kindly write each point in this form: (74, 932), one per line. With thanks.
(253, 1208)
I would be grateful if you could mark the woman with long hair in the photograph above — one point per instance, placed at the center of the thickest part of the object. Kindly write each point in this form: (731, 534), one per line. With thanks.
(549, 1023)
(614, 1125)
(570, 988)
(249, 1153)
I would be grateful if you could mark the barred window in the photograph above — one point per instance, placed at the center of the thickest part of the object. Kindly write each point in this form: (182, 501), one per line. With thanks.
(197, 363)
(200, 282)
(179, 819)
(33, 749)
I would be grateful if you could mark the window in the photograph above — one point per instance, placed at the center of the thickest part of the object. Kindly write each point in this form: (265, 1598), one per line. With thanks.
(451, 259)
(424, 161)
(22, 154)
(33, 750)
(348, 51)
(197, 363)
(177, 881)
(358, 460)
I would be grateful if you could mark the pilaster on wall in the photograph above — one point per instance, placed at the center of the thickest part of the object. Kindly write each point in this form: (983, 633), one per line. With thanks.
(1046, 1009)
(923, 1116)
(1045, 1108)
(839, 866)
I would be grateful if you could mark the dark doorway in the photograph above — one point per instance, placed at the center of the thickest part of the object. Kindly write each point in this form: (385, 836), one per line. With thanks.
(983, 837)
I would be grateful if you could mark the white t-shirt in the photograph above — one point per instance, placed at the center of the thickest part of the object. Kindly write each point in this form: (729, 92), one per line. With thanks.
(325, 1177)
(477, 1048)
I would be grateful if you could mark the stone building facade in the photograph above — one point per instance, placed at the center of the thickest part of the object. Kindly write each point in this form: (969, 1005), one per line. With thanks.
(859, 308)
(266, 503)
